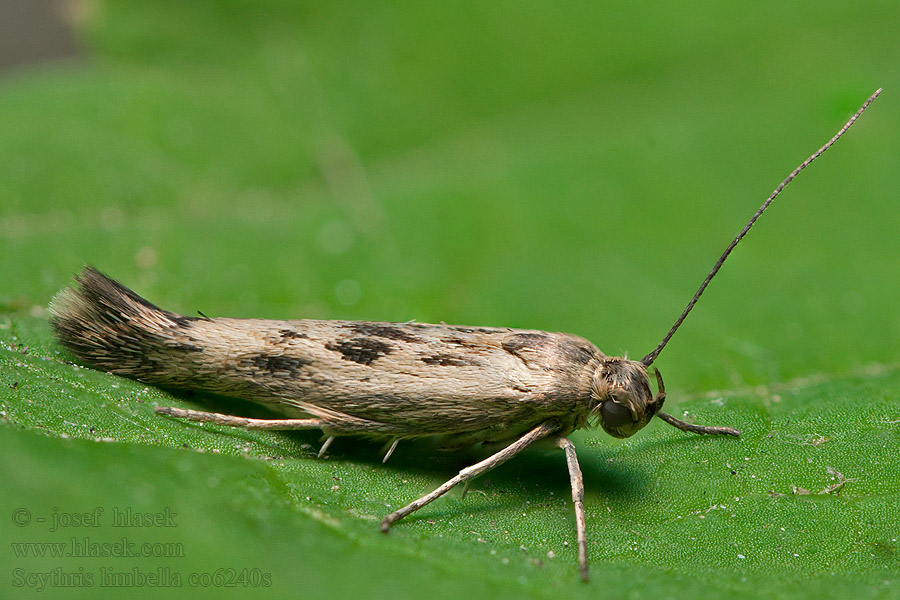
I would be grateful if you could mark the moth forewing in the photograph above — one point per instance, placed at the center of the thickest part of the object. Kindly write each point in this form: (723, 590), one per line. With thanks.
(390, 381)
(374, 379)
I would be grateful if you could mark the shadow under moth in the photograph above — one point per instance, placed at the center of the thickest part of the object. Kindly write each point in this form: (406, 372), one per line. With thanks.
(392, 381)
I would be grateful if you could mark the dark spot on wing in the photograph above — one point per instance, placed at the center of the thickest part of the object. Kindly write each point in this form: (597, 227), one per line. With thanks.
(360, 350)
(391, 332)
(514, 344)
(488, 330)
(574, 352)
(276, 365)
(448, 360)
(459, 342)
(291, 334)
(186, 347)
(462, 329)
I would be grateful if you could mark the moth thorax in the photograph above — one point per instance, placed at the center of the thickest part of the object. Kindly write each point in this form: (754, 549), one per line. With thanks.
(625, 403)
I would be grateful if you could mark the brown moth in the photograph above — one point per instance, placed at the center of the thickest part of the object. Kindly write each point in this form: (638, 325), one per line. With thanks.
(392, 381)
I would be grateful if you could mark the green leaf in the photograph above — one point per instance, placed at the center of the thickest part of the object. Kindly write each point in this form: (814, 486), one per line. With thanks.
(805, 497)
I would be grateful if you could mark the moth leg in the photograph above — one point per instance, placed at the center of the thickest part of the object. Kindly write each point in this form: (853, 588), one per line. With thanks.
(541, 431)
(577, 482)
(465, 491)
(233, 421)
(698, 429)
(390, 450)
(325, 446)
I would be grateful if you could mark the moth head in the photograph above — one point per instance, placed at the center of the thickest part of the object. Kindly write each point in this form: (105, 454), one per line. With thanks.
(625, 402)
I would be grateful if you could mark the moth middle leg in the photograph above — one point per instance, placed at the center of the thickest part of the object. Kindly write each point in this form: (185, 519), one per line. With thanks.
(496, 459)
(577, 482)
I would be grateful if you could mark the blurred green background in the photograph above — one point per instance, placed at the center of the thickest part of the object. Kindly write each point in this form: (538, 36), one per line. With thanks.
(569, 167)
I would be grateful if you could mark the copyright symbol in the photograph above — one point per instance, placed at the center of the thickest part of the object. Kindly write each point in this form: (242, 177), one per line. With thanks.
(21, 517)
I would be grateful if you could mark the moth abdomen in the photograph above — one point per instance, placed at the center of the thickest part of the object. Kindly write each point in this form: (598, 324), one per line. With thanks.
(112, 328)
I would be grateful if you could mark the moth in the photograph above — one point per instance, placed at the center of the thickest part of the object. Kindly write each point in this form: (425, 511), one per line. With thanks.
(496, 386)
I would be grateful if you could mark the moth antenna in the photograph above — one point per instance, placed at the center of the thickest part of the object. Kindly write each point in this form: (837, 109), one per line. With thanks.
(648, 360)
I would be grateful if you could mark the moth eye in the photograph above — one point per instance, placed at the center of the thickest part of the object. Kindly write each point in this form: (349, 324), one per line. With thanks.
(615, 415)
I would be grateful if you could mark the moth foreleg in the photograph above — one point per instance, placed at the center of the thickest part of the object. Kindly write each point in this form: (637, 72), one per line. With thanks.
(233, 421)
(541, 431)
(577, 481)
(698, 429)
